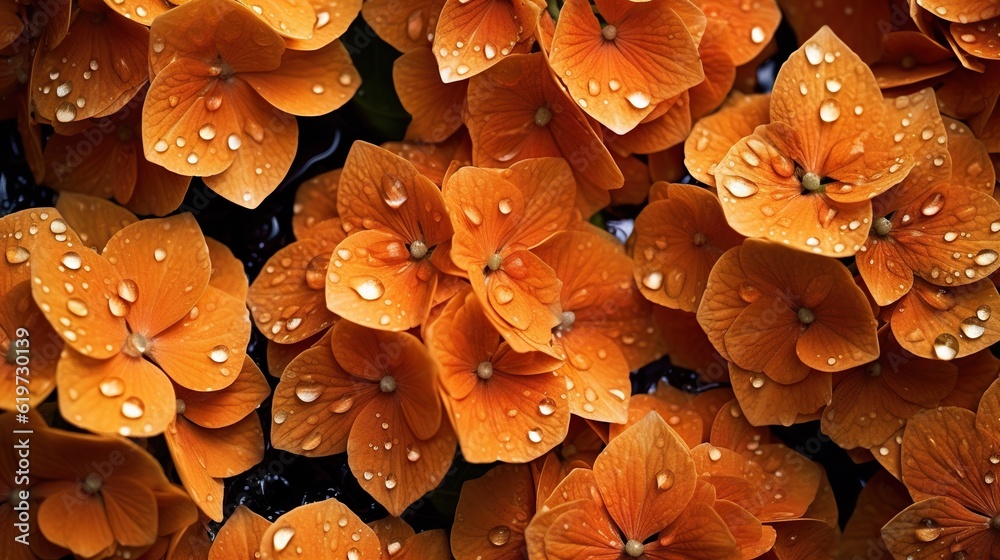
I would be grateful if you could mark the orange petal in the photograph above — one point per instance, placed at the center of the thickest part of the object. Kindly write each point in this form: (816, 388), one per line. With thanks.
(943, 455)
(970, 165)
(961, 10)
(713, 136)
(472, 37)
(280, 355)
(657, 132)
(295, 21)
(583, 531)
(493, 509)
(287, 298)
(978, 371)
(95, 220)
(56, 515)
(698, 532)
(880, 500)
(909, 57)
(436, 108)
(204, 351)
(147, 256)
(746, 31)
(959, 319)
(333, 17)
(315, 203)
(119, 395)
(650, 57)
(314, 386)
(766, 401)
(677, 241)
(227, 271)
(803, 539)
(404, 30)
(94, 71)
(687, 346)
(305, 528)
(860, 24)
(38, 351)
(240, 536)
(645, 490)
(720, 71)
(686, 423)
(157, 191)
(141, 12)
(935, 527)
(308, 83)
(398, 474)
(110, 166)
(227, 406)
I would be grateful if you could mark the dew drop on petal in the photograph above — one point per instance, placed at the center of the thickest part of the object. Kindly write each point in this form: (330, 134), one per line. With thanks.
(133, 408)
(281, 538)
(946, 346)
(219, 354)
(499, 535)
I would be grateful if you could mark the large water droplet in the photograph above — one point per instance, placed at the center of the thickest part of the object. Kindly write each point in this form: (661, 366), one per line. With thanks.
(77, 307)
(499, 535)
(133, 408)
(71, 261)
(219, 354)
(281, 538)
(946, 346)
(368, 287)
(112, 387)
(739, 187)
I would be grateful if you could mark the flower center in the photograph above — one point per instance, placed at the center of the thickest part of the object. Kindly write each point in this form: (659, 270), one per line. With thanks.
(135, 345)
(568, 318)
(811, 182)
(699, 239)
(908, 62)
(542, 116)
(634, 548)
(995, 523)
(875, 370)
(181, 407)
(882, 226)
(806, 316)
(484, 370)
(92, 484)
(12, 354)
(418, 249)
(609, 32)
(494, 262)
(387, 384)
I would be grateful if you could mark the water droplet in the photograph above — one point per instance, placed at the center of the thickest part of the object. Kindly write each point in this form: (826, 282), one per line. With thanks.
(946, 346)
(535, 435)
(665, 479)
(814, 53)
(757, 35)
(17, 254)
(829, 110)
(71, 261)
(66, 112)
(219, 354)
(986, 257)
(499, 535)
(159, 254)
(207, 132)
(984, 312)
(281, 538)
(972, 328)
(503, 293)
(638, 100)
(133, 408)
(390, 481)
(929, 531)
(394, 192)
(112, 387)
(505, 206)
(472, 214)
(547, 406)
(739, 187)
(369, 288)
(77, 307)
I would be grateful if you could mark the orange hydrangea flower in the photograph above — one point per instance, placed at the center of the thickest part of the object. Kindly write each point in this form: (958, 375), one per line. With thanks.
(519, 110)
(470, 37)
(217, 435)
(371, 393)
(949, 466)
(103, 495)
(240, 537)
(97, 69)
(134, 317)
(806, 178)
(492, 514)
(398, 540)
(504, 406)
(605, 328)
(871, 402)
(320, 530)
(223, 91)
(782, 312)
(104, 158)
(385, 273)
(495, 231)
(634, 492)
(645, 54)
(679, 236)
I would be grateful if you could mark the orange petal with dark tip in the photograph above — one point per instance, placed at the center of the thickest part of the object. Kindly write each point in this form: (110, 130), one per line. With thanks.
(650, 57)
(472, 37)
(657, 485)
(937, 526)
(308, 83)
(315, 387)
(374, 280)
(677, 241)
(315, 203)
(118, 395)
(333, 17)
(240, 536)
(492, 514)
(227, 406)
(81, 316)
(287, 299)
(304, 528)
(404, 30)
(436, 108)
(204, 351)
(87, 74)
(712, 136)
(95, 220)
(227, 271)
(398, 474)
(946, 323)
(766, 401)
(147, 256)
(943, 455)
